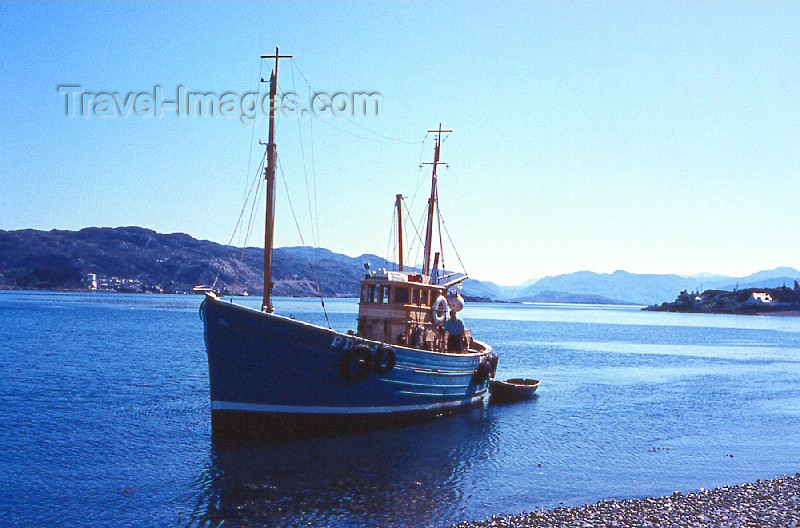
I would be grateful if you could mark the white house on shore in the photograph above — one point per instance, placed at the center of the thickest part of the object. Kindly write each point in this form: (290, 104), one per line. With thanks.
(759, 299)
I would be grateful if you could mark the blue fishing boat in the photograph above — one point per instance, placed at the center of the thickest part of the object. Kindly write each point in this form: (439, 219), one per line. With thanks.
(277, 376)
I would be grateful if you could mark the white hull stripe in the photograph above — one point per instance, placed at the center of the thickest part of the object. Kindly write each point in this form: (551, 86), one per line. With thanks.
(307, 409)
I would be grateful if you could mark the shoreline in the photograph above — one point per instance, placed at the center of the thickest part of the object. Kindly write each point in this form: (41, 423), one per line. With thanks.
(794, 312)
(773, 502)
(785, 313)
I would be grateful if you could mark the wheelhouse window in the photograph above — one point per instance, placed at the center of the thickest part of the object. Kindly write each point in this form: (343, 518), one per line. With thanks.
(371, 295)
(400, 296)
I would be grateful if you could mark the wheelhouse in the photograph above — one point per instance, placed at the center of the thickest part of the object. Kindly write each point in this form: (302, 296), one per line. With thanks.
(401, 308)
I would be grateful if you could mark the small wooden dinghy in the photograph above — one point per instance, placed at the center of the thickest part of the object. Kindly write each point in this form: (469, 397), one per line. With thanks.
(514, 389)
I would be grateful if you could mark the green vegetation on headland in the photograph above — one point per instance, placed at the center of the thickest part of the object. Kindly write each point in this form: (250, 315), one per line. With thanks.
(749, 301)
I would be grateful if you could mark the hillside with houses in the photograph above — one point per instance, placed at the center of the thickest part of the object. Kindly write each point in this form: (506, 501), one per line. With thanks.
(739, 301)
(137, 260)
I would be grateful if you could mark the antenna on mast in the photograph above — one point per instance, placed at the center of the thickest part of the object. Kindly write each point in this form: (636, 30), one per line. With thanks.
(269, 175)
(426, 256)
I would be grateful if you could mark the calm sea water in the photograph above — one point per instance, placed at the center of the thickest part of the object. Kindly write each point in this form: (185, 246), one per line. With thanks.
(105, 419)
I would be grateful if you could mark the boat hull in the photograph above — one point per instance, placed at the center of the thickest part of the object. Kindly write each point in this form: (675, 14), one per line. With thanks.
(275, 376)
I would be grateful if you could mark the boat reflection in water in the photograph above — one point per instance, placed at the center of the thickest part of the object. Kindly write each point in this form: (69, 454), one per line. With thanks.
(402, 477)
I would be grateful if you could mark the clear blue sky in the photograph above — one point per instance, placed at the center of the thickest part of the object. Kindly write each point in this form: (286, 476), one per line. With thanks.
(650, 137)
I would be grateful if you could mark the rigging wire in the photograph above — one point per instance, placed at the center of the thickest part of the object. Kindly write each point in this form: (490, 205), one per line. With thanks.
(439, 225)
(416, 231)
(314, 236)
(239, 221)
(313, 218)
(396, 265)
(256, 202)
(406, 237)
(455, 250)
(325, 121)
(300, 232)
(419, 170)
(314, 175)
(389, 251)
(417, 243)
(389, 138)
(253, 130)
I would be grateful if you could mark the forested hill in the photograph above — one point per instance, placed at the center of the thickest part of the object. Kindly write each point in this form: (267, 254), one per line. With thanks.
(143, 260)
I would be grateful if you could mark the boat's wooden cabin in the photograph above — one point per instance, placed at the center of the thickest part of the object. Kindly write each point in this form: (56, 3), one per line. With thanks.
(408, 308)
(397, 307)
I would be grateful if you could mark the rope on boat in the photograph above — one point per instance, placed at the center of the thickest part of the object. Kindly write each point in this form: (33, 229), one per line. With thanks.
(392, 238)
(452, 243)
(314, 233)
(257, 184)
(388, 139)
(252, 135)
(413, 245)
(313, 169)
(256, 201)
(303, 242)
(420, 172)
(439, 224)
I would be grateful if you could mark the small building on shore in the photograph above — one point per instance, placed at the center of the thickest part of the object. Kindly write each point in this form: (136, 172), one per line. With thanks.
(759, 299)
(686, 298)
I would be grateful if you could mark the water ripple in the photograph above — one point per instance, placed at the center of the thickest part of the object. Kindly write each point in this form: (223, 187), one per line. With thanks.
(106, 414)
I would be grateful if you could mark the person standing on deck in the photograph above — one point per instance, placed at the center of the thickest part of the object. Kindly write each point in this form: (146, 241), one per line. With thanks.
(455, 333)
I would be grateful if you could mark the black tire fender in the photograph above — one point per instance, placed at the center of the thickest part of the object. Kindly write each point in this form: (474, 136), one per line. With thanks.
(355, 363)
(384, 360)
(493, 364)
(482, 371)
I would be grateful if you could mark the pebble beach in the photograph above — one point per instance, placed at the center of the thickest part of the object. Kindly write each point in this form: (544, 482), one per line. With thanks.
(774, 502)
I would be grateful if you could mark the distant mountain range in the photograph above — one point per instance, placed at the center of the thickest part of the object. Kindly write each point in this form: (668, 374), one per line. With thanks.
(177, 262)
(622, 287)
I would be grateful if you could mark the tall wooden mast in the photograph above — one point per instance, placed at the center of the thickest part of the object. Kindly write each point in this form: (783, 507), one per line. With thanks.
(426, 255)
(399, 204)
(269, 175)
